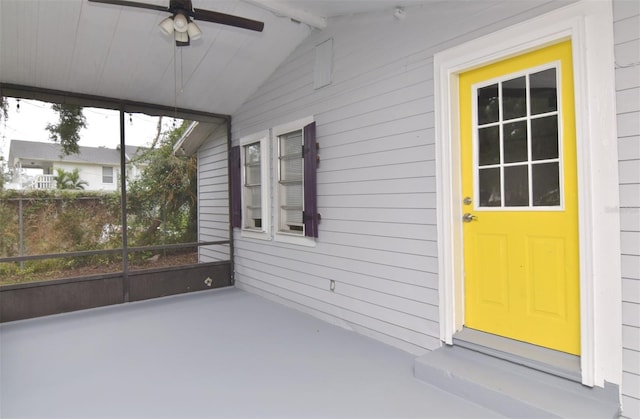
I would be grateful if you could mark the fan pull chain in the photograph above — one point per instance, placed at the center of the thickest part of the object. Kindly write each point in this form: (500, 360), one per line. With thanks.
(181, 73)
(175, 83)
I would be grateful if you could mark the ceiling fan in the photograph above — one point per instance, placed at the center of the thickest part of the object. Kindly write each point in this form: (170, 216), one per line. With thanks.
(181, 24)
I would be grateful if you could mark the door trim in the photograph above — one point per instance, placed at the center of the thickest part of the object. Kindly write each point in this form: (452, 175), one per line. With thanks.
(589, 25)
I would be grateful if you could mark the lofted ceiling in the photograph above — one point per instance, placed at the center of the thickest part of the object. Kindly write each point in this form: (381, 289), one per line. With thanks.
(119, 52)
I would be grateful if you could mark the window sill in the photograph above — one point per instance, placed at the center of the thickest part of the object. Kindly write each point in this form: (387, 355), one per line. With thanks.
(295, 239)
(255, 234)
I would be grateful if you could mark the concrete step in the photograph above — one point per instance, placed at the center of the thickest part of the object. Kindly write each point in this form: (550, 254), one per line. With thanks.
(513, 390)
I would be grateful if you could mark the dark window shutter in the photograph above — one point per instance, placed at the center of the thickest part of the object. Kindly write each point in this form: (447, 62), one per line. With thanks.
(310, 216)
(236, 187)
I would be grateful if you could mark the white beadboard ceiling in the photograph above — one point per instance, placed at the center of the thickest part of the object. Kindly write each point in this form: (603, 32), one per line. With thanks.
(119, 52)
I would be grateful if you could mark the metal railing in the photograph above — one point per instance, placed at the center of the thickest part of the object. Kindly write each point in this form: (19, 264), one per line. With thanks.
(120, 250)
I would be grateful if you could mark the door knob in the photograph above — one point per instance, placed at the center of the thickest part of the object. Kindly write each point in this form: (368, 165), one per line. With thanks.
(468, 217)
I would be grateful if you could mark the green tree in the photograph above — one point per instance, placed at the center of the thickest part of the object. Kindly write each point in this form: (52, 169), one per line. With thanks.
(2, 172)
(4, 114)
(164, 198)
(67, 130)
(69, 180)
(4, 108)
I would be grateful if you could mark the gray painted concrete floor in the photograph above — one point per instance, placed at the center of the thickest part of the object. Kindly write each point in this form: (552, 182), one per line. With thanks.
(222, 353)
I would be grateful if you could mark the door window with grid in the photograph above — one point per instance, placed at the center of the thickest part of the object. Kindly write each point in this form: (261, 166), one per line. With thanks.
(517, 157)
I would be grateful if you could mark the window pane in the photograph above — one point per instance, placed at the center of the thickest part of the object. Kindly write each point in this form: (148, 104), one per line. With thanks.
(291, 209)
(544, 95)
(546, 184)
(252, 153)
(544, 138)
(490, 187)
(291, 181)
(252, 175)
(252, 164)
(253, 218)
(515, 142)
(293, 221)
(253, 186)
(291, 170)
(489, 145)
(291, 144)
(293, 196)
(107, 174)
(516, 186)
(514, 98)
(488, 110)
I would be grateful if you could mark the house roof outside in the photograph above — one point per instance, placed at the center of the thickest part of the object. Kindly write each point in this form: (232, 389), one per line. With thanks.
(39, 151)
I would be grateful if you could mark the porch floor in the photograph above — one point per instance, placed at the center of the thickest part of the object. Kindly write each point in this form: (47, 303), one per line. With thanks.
(220, 353)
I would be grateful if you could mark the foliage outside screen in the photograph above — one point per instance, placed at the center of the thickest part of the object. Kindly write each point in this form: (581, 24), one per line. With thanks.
(161, 209)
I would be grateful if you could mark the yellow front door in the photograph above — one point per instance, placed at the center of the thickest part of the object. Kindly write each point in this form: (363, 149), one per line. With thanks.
(519, 185)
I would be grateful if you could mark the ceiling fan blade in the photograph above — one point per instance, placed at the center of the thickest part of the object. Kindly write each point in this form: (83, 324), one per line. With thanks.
(133, 4)
(229, 20)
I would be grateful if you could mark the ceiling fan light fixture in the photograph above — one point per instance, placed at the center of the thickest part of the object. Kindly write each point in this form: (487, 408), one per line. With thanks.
(180, 22)
(194, 31)
(181, 37)
(166, 26)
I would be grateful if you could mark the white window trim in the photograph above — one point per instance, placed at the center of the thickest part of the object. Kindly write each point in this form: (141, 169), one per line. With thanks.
(265, 170)
(275, 133)
(589, 25)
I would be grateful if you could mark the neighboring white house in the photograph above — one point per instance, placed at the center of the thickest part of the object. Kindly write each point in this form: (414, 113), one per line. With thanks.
(98, 166)
(397, 103)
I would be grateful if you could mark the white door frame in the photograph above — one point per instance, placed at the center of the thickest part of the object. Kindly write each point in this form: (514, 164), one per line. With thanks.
(589, 25)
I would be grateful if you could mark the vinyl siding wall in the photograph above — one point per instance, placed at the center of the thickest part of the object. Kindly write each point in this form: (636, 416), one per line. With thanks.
(213, 196)
(376, 179)
(626, 15)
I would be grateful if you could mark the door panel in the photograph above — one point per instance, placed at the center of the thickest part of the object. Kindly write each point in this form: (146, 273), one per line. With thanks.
(520, 187)
(495, 290)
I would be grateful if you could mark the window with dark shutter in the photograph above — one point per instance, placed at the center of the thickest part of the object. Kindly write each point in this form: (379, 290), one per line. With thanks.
(235, 174)
(311, 159)
(291, 204)
(291, 181)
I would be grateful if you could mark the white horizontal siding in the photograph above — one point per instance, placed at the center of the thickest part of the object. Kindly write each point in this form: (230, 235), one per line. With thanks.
(376, 178)
(213, 197)
(627, 56)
